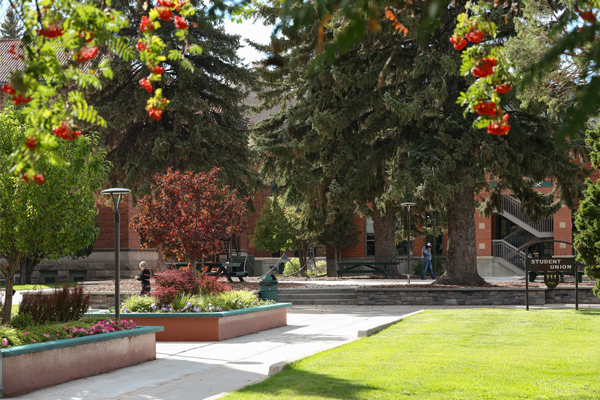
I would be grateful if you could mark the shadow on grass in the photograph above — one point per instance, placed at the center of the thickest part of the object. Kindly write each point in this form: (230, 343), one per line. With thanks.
(590, 311)
(292, 382)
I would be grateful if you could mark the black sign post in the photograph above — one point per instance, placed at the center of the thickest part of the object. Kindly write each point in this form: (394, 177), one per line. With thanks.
(552, 267)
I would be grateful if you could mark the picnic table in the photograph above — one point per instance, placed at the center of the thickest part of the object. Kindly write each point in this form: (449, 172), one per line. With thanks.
(228, 270)
(371, 267)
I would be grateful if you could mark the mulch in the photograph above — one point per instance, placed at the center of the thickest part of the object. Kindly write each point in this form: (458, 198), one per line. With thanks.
(252, 283)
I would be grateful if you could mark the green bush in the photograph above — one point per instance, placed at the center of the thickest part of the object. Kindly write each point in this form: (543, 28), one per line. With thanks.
(294, 265)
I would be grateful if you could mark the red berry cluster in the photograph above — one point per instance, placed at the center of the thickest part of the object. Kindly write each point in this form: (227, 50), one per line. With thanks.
(503, 89)
(155, 110)
(30, 143)
(146, 84)
(459, 43)
(158, 70)
(140, 46)
(51, 31)
(17, 99)
(166, 3)
(499, 128)
(64, 132)
(164, 13)
(39, 178)
(146, 24)
(485, 67)
(181, 23)
(86, 53)
(475, 36)
(486, 108)
(586, 15)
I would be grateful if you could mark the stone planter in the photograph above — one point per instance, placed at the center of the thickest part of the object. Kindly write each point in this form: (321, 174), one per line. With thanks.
(40, 365)
(211, 327)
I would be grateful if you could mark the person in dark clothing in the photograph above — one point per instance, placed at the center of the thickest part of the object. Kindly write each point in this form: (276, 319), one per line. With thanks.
(427, 262)
(144, 277)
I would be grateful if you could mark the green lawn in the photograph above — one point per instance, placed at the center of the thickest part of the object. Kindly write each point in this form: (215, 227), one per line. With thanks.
(454, 354)
(41, 286)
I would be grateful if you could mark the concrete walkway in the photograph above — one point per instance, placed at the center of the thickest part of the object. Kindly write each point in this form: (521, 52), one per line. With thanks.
(207, 370)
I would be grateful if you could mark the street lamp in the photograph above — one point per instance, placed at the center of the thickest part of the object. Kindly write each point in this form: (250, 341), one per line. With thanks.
(435, 213)
(116, 194)
(408, 205)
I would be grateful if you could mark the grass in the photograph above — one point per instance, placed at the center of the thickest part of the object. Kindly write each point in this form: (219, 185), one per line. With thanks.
(454, 354)
(41, 286)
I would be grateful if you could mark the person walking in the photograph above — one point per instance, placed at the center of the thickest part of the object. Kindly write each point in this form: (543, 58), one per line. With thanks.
(427, 262)
(144, 278)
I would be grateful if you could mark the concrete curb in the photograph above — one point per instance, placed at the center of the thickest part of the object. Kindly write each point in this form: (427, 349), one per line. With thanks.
(280, 366)
(372, 331)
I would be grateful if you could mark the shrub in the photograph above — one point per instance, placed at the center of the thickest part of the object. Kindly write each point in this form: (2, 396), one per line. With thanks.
(61, 305)
(182, 303)
(293, 266)
(181, 281)
(211, 285)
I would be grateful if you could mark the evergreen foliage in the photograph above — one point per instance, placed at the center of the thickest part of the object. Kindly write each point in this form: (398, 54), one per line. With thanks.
(203, 125)
(340, 139)
(11, 27)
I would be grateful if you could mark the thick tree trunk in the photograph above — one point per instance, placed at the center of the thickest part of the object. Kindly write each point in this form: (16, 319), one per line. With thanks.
(331, 262)
(461, 267)
(26, 268)
(385, 243)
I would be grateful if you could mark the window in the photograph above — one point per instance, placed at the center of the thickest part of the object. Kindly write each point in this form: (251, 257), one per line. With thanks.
(369, 237)
(402, 248)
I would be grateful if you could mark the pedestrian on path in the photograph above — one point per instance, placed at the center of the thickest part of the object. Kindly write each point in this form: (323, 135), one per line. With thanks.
(144, 277)
(427, 262)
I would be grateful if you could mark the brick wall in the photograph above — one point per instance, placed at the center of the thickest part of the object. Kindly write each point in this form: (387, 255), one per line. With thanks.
(106, 221)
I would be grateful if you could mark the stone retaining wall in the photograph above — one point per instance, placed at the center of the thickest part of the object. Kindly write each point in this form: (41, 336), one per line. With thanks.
(106, 300)
(472, 296)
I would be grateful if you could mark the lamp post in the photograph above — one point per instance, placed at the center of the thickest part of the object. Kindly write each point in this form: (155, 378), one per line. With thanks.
(116, 194)
(435, 213)
(408, 205)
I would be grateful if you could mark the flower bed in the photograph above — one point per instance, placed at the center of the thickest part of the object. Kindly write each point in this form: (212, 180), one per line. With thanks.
(35, 366)
(212, 326)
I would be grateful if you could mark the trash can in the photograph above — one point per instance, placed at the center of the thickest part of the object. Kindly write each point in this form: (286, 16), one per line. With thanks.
(268, 288)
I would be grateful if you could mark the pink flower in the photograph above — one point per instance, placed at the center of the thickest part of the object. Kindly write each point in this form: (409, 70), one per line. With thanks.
(5, 341)
(26, 333)
(33, 340)
(46, 335)
(69, 336)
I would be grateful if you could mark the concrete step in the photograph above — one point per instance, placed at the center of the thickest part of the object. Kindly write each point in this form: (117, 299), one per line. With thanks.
(322, 302)
(333, 296)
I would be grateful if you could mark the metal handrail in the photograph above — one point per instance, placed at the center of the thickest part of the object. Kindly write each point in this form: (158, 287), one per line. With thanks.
(513, 207)
(505, 250)
(518, 237)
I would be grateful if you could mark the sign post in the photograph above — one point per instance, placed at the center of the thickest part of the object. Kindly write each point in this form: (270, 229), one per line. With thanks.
(552, 267)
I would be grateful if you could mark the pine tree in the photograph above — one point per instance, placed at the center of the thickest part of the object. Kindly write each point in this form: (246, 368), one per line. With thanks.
(347, 140)
(203, 125)
(11, 27)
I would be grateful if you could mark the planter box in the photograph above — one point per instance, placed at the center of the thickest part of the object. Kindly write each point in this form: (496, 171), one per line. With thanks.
(40, 365)
(212, 327)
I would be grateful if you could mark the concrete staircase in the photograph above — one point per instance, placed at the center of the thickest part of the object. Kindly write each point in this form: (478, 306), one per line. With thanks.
(325, 296)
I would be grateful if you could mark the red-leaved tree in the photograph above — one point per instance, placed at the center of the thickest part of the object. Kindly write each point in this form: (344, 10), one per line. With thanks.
(188, 214)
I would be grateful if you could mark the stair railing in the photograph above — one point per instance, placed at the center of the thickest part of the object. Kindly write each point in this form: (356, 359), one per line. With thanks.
(513, 207)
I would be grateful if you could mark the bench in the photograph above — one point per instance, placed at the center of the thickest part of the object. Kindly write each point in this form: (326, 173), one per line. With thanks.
(229, 270)
(350, 267)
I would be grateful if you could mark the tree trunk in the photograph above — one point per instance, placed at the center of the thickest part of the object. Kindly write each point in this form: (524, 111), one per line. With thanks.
(385, 243)
(461, 267)
(13, 265)
(302, 257)
(26, 268)
(331, 262)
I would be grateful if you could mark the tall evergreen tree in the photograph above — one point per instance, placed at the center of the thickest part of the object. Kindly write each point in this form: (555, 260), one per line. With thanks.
(347, 140)
(11, 27)
(203, 125)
